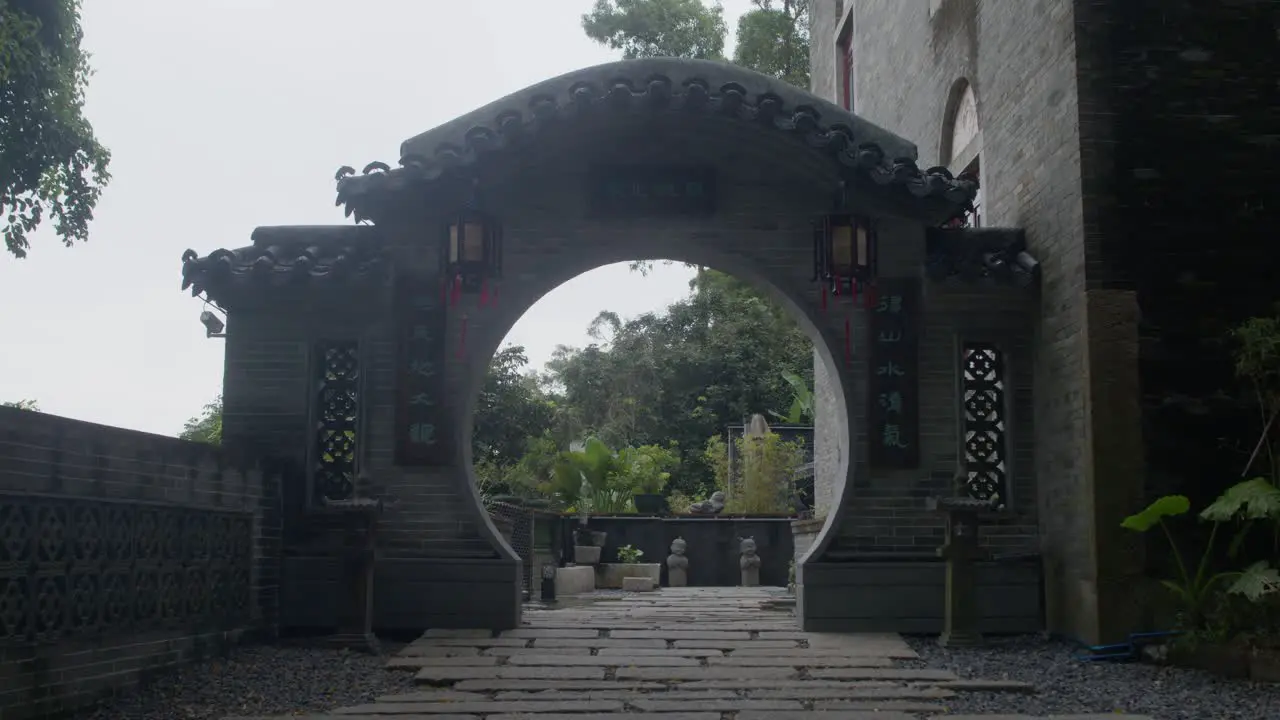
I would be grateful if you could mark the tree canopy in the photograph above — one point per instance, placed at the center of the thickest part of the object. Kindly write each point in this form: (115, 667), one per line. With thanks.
(207, 426)
(772, 37)
(51, 165)
(672, 378)
(31, 405)
(658, 28)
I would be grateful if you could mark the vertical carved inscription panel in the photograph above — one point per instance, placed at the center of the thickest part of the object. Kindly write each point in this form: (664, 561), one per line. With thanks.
(73, 569)
(983, 387)
(422, 432)
(894, 410)
(337, 420)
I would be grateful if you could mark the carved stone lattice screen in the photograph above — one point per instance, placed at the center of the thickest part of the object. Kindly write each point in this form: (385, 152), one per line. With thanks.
(73, 569)
(337, 414)
(983, 388)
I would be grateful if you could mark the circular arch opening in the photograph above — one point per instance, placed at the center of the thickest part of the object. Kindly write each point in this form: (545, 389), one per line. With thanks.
(784, 295)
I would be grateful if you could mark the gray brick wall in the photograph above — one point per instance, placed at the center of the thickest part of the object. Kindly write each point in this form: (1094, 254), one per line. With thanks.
(906, 64)
(1025, 67)
(267, 403)
(68, 480)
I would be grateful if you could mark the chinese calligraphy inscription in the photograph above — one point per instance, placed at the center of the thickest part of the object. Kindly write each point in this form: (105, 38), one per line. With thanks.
(635, 191)
(894, 430)
(420, 435)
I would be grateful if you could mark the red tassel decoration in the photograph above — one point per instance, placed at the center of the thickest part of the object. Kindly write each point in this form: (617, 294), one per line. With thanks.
(484, 292)
(457, 290)
(462, 338)
(848, 342)
(823, 303)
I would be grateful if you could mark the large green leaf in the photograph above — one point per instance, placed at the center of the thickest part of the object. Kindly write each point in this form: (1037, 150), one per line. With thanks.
(1178, 591)
(1256, 581)
(1255, 499)
(1167, 506)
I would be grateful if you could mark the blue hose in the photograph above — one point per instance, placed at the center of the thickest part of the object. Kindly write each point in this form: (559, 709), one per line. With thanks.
(1126, 651)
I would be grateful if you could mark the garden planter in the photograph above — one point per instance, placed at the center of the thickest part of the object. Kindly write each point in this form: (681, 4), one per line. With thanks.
(586, 554)
(590, 538)
(1264, 666)
(1227, 661)
(610, 575)
(650, 504)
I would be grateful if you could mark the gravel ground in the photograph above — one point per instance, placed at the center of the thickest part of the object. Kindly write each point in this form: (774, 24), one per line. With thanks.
(1067, 685)
(260, 680)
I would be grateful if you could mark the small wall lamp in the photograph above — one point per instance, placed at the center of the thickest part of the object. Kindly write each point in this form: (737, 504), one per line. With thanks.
(213, 326)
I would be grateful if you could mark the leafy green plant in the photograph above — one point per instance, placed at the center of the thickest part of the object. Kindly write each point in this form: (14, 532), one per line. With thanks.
(610, 502)
(580, 475)
(1250, 501)
(679, 502)
(629, 555)
(801, 401)
(646, 470)
(763, 479)
(1193, 590)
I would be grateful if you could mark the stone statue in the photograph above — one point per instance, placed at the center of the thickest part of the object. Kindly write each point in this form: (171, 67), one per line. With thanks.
(678, 564)
(749, 563)
(711, 506)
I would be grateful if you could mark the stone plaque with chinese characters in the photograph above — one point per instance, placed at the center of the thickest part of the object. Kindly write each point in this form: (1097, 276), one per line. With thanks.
(421, 434)
(641, 191)
(893, 435)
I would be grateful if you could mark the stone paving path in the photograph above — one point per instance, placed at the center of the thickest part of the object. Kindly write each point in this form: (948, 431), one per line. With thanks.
(677, 654)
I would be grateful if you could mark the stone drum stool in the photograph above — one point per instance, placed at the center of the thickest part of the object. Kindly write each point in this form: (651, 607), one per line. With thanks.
(678, 564)
(749, 562)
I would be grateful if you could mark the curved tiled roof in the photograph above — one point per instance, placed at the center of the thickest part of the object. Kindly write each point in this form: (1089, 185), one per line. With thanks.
(980, 255)
(655, 85)
(286, 255)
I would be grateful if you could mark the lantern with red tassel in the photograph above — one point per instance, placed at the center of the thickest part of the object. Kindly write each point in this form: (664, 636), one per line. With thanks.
(472, 255)
(845, 254)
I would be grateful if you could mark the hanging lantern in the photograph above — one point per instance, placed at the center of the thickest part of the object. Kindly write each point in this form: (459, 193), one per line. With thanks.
(473, 252)
(845, 253)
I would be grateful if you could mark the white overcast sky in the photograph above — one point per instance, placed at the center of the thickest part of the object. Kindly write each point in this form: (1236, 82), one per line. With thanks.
(223, 115)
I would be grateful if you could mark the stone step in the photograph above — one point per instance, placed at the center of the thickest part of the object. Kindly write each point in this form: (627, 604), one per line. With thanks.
(484, 707)
(792, 659)
(604, 660)
(738, 644)
(598, 643)
(442, 675)
(747, 650)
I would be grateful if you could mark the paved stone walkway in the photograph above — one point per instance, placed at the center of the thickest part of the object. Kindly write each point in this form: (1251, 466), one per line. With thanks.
(677, 654)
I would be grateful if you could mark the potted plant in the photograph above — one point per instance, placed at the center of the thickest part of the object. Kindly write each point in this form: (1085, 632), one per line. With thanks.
(582, 475)
(647, 470)
(629, 565)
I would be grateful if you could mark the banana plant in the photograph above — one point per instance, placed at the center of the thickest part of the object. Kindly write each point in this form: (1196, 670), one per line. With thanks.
(801, 403)
(581, 473)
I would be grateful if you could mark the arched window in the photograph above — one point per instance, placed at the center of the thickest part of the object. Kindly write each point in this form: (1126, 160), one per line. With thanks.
(962, 143)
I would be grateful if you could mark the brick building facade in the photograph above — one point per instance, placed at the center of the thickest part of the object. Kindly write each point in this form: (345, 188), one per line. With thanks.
(1068, 112)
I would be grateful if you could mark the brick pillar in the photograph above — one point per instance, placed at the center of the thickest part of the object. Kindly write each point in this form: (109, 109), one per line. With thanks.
(1116, 472)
